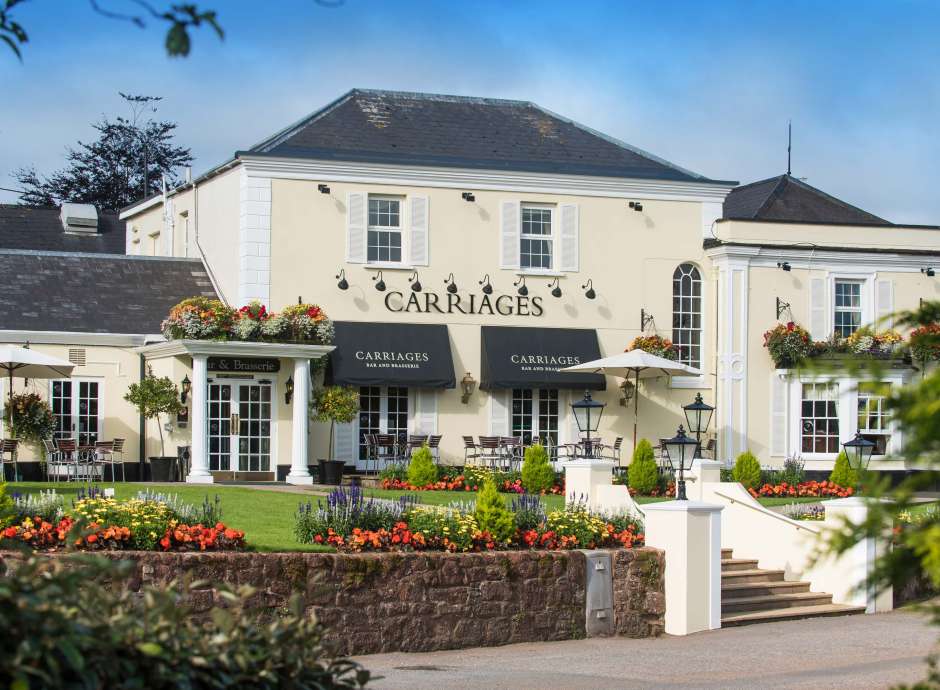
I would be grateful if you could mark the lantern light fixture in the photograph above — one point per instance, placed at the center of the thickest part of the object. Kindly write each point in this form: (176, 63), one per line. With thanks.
(698, 415)
(587, 414)
(556, 292)
(523, 290)
(589, 293)
(416, 285)
(343, 284)
(487, 286)
(680, 451)
(859, 451)
(185, 387)
(289, 390)
(451, 284)
(380, 284)
(467, 386)
(627, 391)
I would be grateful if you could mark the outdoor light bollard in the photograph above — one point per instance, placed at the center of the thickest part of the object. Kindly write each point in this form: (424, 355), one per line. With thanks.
(689, 532)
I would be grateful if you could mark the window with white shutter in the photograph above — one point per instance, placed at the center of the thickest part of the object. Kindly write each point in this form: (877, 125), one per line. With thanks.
(569, 234)
(418, 236)
(778, 416)
(499, 412)
(509, 234)
(356, 224)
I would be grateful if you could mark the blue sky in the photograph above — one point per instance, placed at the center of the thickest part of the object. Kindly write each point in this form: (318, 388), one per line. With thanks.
(708, 85)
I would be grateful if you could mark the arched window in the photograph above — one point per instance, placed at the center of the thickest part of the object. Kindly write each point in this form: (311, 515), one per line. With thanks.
(687, 314)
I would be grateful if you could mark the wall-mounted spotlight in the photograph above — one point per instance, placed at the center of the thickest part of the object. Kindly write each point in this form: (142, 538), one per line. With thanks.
(928, 271)
(487, 286)
(324, 188)
(557, 291)
(380, 285)
(781, 307)
(523, 290)
(288, 390)
(341, 276)
(468, 196)
(451, 284)
(185, 387)
(589, 293)
(636, 206)
(415, 286)
(646, 319)
(784, 265)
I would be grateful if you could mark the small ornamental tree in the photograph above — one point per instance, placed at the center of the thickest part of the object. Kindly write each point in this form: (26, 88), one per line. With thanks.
(842, 472)
(422, 470)
(335, 404)
(537, 472)
(746, 470)
(643, 475)
(492, 514)
(153, 397)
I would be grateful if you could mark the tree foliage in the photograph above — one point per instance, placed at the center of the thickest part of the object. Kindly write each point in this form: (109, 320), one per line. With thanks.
(422, 470)
(336, 405)
(155, 396)
(642, 474)
(537, 472)
(124, 164)
(842, 472)
(747, 470)
(492, 514)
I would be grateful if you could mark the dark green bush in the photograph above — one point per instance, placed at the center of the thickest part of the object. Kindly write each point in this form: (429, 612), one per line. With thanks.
(74, 625)
(747, 470)
(643, 475)
(422, 470)
(793, 472)
(842, 472)
(492, 515)
(537, 472)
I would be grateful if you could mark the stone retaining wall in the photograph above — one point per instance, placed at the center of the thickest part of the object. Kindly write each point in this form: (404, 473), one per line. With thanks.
(411, 602)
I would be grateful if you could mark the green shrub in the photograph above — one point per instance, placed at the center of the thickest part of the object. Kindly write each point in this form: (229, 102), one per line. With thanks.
(64, 629)
(747, 470)
(842, 473)
(643, 475)
(492, 515)
(792, 472)
(7, 509)
(394, 470)
(422, 470)
(537, 472)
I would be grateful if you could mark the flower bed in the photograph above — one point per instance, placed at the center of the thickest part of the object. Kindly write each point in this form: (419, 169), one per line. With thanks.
(351, 523)
(199, 318)
(789, 344)
(467, 479)
(804, 489)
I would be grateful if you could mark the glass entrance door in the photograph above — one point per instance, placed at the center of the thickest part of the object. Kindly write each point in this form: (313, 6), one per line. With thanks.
(239, 426)
(75, 407)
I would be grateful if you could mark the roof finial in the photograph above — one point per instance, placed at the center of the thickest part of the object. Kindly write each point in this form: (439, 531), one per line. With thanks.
(789, 143)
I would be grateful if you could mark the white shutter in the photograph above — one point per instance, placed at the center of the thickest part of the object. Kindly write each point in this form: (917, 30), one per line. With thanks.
(778, 416)
(499, 412)
(571, 431)
(425, 411)
(418, 231)
(510, 219)
(357, 224)
(818, 318)
(346, 442)
(884, 304)
(570, 237)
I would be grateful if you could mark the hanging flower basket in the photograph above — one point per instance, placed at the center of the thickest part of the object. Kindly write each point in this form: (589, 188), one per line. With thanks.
(925, 343)
(655, 345)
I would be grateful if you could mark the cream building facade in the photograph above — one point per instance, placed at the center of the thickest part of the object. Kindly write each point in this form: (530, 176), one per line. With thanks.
(536, 243)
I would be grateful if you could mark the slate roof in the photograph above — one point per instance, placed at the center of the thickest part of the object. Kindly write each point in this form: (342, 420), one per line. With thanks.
(31, 228)
(94, 293)
(787, 199)
(457, 131)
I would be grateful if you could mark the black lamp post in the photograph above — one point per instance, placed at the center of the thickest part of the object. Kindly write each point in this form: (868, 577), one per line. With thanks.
(680, 451)
(859, 451)
(587, 413)
(698, 415)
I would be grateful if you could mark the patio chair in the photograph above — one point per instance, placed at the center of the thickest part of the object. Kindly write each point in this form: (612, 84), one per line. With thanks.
(414, 442)
(491, 451)
(471, 451)
(106, 452)
(52, 460)
(8, 445)
(613, 452)
(512, 451)
(386, 449)
(371, 456)
(434, 443)
(67, 449)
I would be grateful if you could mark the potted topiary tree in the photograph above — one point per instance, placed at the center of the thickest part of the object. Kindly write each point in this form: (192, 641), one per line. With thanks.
(153, 397)
(334, 404)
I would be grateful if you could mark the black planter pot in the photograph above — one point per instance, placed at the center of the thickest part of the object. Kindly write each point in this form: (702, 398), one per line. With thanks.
(162, 468)
(331, 472)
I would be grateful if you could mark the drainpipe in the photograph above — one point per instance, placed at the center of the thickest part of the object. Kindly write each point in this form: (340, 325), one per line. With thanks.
(142, 427)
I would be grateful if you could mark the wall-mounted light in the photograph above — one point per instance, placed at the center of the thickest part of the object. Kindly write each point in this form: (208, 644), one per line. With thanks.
(342, 284)
(185, 387)
(415, 286)
(380, 285)
(928, 271)
(646, 319)
(451, 284)
(781, 307)
(467, 384)
(784, 265)
(289, 390)
(468, 196)
(487, 286)
(523, 290)
(589, 293)
(557, 291)
(627, 391)
(324, 188)
(636, 206)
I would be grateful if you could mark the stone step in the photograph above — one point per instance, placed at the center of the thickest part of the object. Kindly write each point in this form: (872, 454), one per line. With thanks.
(769, 602)
(790, 613)
(757, 589)
(751, 575)
(726, 553)
(729, 564)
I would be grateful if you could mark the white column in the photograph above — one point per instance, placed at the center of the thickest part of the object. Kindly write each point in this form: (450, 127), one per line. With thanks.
(690, 534)
(199, 463)
(299, 474)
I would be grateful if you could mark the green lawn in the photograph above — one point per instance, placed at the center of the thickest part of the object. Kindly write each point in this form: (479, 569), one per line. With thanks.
(266, 517)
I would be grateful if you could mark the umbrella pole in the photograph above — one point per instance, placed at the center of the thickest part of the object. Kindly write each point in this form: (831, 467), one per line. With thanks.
(636, 404)
(10, 405)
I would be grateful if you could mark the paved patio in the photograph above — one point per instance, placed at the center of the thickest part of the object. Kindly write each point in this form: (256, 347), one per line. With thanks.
(857, 652)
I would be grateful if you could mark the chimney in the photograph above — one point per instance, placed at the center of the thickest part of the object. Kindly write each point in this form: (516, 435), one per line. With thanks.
(79, 219)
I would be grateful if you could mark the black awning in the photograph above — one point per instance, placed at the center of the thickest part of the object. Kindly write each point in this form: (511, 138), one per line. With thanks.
(532, 357)
(379, 354)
